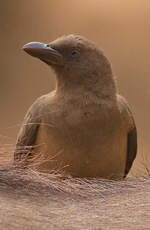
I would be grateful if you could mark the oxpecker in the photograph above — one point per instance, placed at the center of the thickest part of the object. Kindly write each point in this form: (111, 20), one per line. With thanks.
(83, 128)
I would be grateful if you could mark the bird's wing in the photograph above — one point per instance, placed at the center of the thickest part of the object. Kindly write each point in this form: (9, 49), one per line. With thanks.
(132, 135)
(131, 149)
(28, 132)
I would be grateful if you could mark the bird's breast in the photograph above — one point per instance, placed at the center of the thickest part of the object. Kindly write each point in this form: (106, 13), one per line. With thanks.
(81, 125)
(76, 140)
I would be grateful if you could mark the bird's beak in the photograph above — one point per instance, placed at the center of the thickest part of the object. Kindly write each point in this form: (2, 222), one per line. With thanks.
(44, 52)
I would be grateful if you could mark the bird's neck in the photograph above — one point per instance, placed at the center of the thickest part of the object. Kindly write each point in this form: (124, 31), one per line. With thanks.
(104, 89)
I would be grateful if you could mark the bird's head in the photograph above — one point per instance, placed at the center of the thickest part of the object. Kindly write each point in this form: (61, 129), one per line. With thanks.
(73, 57)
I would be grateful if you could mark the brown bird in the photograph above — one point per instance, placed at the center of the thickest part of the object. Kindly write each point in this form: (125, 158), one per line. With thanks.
(83, 128)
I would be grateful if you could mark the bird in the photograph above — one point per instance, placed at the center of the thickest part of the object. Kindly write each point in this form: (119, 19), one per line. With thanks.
(84, 127)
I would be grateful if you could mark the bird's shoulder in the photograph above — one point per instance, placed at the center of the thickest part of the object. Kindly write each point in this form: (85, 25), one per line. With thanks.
(125, 111)
(42, 102)
(37, 109)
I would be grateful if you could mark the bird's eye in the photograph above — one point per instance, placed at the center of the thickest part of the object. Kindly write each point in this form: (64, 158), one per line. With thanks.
(73, 52)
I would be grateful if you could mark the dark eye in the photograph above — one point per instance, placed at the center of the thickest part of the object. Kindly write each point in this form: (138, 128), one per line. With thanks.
(73, 52)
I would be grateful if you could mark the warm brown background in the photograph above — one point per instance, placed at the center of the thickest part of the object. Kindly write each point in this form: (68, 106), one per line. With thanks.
(121, 28)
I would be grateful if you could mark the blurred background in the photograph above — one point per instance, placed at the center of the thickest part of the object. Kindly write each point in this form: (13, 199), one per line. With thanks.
(120, 28)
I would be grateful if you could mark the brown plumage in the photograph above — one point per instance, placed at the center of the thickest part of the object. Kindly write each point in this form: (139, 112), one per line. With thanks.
(83, 128)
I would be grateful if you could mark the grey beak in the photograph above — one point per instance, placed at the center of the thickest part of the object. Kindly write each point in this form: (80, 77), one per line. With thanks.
(44, 52)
